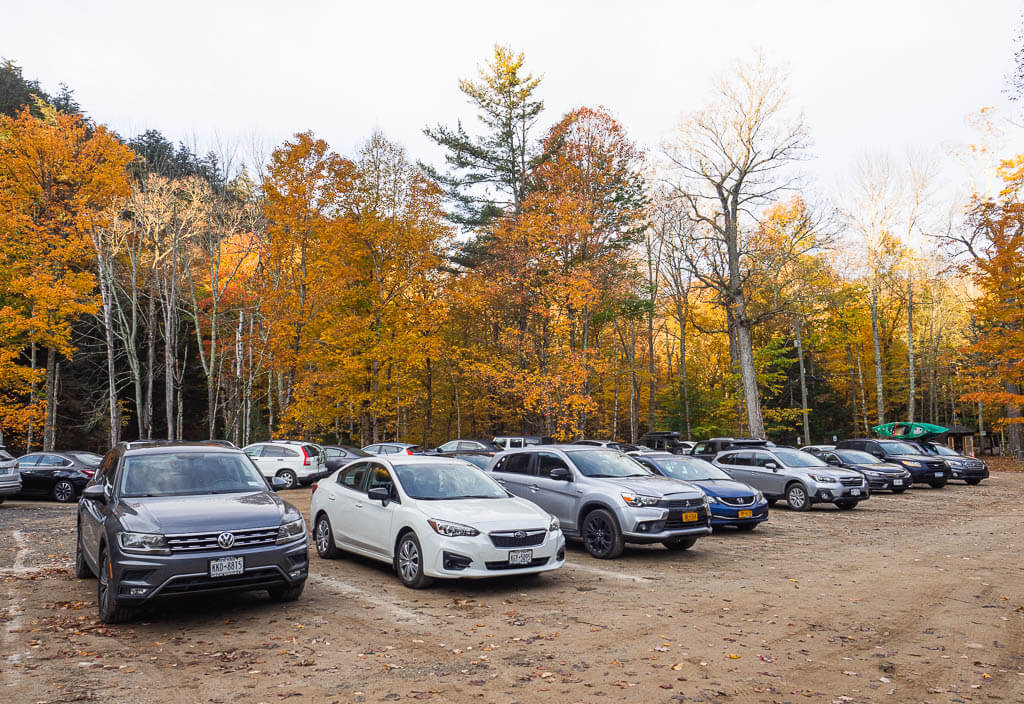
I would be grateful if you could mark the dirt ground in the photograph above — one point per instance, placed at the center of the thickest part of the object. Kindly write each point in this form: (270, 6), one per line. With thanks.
(912, 598)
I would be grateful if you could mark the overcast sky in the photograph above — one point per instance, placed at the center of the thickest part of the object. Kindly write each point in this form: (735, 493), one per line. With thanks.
(870, 76)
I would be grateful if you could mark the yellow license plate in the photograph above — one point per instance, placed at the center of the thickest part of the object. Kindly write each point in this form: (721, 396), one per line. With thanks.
(691, 516)
(746, 514)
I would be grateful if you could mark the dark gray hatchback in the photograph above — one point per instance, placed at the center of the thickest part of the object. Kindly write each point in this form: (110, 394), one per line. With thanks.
(162, 520)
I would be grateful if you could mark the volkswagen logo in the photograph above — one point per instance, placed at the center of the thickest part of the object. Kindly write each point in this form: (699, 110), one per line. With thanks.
(519, 534)
(226, 540)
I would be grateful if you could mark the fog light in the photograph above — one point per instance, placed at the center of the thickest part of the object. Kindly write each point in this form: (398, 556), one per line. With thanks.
(561, 555)
(825, 494)
(295, 573)
(137, 591)
(453, 561)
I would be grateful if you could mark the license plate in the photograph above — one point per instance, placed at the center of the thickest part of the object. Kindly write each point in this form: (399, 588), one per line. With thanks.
(897, 482)
(854, 492)
(938, 474)
(746, 514)
(226, 566)
(520, 557)
(690, 516)
(3, 470)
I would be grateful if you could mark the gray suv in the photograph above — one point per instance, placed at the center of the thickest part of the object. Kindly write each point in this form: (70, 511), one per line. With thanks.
(794, 475)
(172, 519)
(10, 477)
(604, 497)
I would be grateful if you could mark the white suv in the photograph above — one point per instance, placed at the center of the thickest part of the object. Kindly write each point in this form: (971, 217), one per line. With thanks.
(297, 463)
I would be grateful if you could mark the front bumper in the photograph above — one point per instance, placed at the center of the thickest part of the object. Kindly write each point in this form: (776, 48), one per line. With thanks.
(725, 515)
(969, 473)
(888, 483)
(927, 475)
(10, 488)
(142, 578)
(476, 557)
(830, 493)
(657, 524)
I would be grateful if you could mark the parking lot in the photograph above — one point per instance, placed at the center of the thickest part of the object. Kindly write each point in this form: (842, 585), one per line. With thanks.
(913, 598)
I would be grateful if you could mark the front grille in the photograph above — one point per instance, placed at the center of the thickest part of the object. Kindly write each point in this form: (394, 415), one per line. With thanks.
(736, 500)
(517, 538)
(936, 465)
(975, 465)
(681, 503)
(675, 519)
(537, 562)
(254, 579)
(850, 481)
(196, 542)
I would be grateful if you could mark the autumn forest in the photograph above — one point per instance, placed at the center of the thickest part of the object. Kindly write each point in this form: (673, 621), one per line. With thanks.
(547, 276)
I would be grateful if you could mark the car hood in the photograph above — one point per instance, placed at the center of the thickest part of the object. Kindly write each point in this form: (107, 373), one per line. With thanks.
(884, 467)
(202, 514)
(831, 472)
(725, 487)
(653, 485)
(488, 514)
(913, 458)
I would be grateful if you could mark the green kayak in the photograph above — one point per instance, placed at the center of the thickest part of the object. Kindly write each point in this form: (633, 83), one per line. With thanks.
(909, 431)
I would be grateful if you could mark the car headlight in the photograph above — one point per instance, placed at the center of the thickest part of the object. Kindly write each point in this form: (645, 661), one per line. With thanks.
(152, 543)
(823, 478)
(711, 499)
(640, 500)
(758, 497)
(554, 525)
(290, 531)
(452, 530)
(958, 464)
(911, 463)
(869, 473)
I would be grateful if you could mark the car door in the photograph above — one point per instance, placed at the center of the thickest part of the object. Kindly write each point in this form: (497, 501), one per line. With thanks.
(514, 473)
(92, 514)
(767, 473)
(372, 525)
(262, 458)
(556, 496)
(28, 467)
(342, 496)
(735, 464)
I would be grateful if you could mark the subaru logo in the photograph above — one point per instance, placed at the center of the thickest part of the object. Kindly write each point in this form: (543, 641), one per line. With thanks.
(226, 540)
(520, 534)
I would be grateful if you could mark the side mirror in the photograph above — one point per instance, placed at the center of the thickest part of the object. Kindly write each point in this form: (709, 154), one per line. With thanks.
(278, 483)
(96, 492)
(379, 493)
(772, 466)
(560, 474)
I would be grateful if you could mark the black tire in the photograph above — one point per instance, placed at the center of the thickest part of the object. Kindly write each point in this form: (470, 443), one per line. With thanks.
(111, 610)
(63, 491)
(82, 569)
(772, 502)
(2, 499)
(797, 498)
(747, 527)
(900, 490)
(973, 482)
(846, 505)
(289, 476)
(680, 544)
(937, 485)
(323, 537)
(409, 562)
(601, 535)
(287, 593)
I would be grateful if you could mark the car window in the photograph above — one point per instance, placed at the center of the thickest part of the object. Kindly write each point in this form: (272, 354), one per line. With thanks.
(761, 459)
(254, 451)
(352, 476)
(587, 442)
(898, 448)
(89, 459)
(108, 469)
(429, 482)
(515, 442)
(53, 461)
(796, 458)
(480, 461)
(451, 446)
(519, 463)
(855, 456)
(691, 469)
(470, 445)
(28, 461)
(273, 451)
(606, 463)
(700, 448)
(546, 461)
(334, 452)
(189, 473)
(380, 477)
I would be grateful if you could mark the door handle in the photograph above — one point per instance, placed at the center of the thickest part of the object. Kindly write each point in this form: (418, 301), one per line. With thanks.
(330, 497)
(359, 505)
(534, 487)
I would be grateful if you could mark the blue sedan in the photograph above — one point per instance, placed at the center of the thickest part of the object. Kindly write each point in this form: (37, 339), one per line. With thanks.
(732, 503)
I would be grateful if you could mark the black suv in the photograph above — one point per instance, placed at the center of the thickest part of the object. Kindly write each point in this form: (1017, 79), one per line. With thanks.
(171, 519)
(969, 469)
(923, 469)
(709, 449)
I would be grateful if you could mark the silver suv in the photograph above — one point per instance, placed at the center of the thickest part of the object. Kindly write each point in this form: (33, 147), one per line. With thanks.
(796, 476)
(10, 477)
(604, 497)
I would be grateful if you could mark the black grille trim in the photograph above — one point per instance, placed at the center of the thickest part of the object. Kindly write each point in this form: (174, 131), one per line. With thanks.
(254, 579)
(737, 500)
(508, 539)
(681, 503)
(537, 562)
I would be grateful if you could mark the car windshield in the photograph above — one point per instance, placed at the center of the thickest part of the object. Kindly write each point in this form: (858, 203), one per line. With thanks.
(798, 458)
(856, 457)
(691, 469)
(355, 451)
(438, 482)
(89, 459)
(942, 450)
(607, 463)
(899, 448)
(189, 473)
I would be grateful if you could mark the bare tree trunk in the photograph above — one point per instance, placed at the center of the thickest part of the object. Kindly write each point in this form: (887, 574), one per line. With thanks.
(748, 375)
(863, 393)
(51, 398)
(683, 373)
(853, 385)
(108, 333)
(429, 403)
(150, 369)
(879, 389)
(803, 385)
(910, 346)
(33, 395)
(651, 422)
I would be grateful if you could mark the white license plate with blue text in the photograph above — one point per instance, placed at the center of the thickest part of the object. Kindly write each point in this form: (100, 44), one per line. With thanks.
(520, 557)
(226, 566)
(938, 474)
(854, 492)
(897, 482)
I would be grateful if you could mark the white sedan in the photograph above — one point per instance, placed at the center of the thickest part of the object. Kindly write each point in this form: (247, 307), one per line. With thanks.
(432, 517)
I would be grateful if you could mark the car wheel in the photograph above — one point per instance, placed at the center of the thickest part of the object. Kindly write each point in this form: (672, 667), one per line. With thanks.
(287, 593)
(289, 477)
(82, 570)
(409, 562)
(110, 608)
(796, 497)
(64, 491)
(899, 491)
(747, 526)
(323, 535)
(772, 502)
(846, 505)
(973, 482)
(937, 485)
(680, 544)
(601, 535)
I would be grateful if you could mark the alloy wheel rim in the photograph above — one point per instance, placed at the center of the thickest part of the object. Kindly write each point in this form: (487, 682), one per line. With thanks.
(409, 560)
(322, 532)
(797, 497)
(597, 535)
(104, 584)
(63, 491)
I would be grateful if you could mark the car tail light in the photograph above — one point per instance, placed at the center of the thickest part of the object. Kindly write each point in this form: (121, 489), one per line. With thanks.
(408, 451)
(314, 486)
(89, 472)
(305, 456)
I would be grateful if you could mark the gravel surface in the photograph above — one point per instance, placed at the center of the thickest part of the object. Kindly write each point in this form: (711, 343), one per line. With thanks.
(912, 598)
